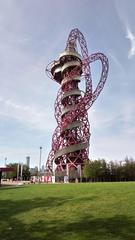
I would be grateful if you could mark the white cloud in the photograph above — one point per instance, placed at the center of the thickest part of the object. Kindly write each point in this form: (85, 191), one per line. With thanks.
(111, 147)
(113, 131)
(126, 15)
(131, 37)
(27, 115)
(124, 112)
(116, 61)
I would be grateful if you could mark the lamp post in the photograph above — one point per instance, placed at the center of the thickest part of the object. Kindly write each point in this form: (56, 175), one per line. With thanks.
(39, 168)
(21, 172)
(5, 161)
(18, 172)
(5, 174)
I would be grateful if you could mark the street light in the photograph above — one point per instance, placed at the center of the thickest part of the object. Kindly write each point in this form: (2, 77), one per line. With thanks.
(39, 169)
(21, 172)
(5, 161)
(17, 172)
(5, 166)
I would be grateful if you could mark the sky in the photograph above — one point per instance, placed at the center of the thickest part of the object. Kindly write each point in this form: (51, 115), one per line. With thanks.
(32, 34)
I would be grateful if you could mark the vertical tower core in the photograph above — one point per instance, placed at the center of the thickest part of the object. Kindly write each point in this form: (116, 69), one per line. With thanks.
(70, 141)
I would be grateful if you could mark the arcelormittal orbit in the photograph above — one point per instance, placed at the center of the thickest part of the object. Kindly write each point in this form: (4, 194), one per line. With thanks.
(70, 141)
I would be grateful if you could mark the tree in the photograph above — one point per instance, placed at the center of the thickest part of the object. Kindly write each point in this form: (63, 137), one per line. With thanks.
(12, 175)
(113, 169)
(96, 169)
(86, 170)
(105, 170)
(129, 169)
(25, 172)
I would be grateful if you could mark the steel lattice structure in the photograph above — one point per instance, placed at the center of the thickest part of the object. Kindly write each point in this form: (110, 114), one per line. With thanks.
(70, 141)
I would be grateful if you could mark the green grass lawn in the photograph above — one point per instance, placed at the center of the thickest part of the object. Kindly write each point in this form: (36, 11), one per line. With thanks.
(95, 211)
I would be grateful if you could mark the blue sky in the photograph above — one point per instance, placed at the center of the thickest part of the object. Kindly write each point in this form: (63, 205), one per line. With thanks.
(32, 34)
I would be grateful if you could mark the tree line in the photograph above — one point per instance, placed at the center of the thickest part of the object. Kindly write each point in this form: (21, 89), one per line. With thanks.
(19, 173)
(100, 170)
(93, 171)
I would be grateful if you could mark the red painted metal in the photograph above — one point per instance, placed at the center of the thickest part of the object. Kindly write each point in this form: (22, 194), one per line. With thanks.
(66, 138)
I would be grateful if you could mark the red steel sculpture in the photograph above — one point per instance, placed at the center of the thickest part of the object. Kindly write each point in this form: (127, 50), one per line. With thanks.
(70, 141)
